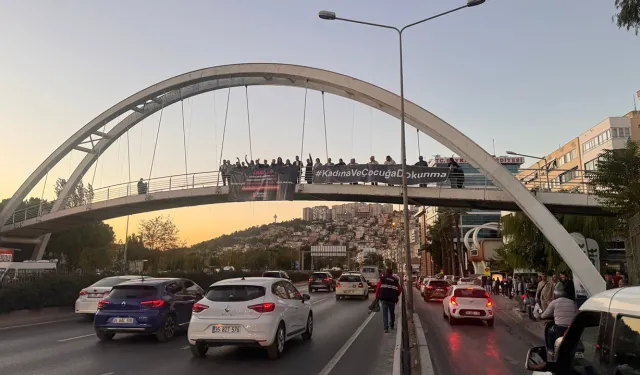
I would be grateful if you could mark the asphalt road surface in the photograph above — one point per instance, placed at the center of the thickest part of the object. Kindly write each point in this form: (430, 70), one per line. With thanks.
(346, 340)
(472, 348)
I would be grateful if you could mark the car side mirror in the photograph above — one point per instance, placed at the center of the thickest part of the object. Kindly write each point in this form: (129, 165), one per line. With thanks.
(305, 297)
(537, 359)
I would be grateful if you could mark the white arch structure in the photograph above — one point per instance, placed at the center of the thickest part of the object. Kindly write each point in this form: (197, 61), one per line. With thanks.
(165, 93)
(473, 233)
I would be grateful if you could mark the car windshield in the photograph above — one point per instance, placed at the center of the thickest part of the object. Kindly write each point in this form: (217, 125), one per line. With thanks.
(470, 293)
(320, 275)
(350, 278)
(235, 293)
(438, 283)
(109, 282)
(272, 274)
(133, 291)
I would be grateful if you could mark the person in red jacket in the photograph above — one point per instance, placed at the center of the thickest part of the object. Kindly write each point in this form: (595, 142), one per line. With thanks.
(388, 290)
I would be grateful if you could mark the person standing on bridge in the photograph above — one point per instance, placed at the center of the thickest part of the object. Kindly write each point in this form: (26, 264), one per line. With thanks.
(308, 170)
(389, 161)
(373, 161)
(224, 170)
(388, 292)
(352, 164)
(421, 163)
(298, 164)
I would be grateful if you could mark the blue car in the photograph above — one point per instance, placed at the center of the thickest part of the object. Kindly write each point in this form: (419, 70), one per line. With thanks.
(158, 306)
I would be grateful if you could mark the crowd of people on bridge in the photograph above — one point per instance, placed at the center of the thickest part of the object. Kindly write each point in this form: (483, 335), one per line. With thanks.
(456, 176)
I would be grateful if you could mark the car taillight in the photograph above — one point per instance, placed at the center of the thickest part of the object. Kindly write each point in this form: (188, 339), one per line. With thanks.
(106, 294)
(489, 302)
(453, 300)
(429, 287)
(153, 304)
(326, 279)
(263, 307)
(360, 285)
(338, 286)
(311, 279)
(197, 307)
(102, 303)
(82, 292)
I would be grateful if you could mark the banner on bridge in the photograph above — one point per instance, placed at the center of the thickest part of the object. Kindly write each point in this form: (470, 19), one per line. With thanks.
(262, 184)
(389, 174)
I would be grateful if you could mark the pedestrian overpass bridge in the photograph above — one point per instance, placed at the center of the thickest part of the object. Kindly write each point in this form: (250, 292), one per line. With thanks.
(204, 188)
(94, 138)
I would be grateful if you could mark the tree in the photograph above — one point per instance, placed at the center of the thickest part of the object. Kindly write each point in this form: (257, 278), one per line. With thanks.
(85, 247)
(80, 196)
(374, 259)
(616, 182)
(628, 15)
(159, 233)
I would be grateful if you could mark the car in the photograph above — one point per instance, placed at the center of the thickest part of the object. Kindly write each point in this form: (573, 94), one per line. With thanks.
(321, 280)
(253, 311)
(467, 281)
(435, 289)
(276, 274)
(467, 302)
(372, 276)
(602, 339)
(87, 302)
(352, 285)
(158, 306)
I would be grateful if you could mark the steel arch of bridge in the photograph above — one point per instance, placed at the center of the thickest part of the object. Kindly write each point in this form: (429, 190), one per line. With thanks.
(165, 93)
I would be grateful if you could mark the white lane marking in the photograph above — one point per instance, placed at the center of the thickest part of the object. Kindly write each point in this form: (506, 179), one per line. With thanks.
(38, 324)
(108, 373)
(320, 300)
(396, 351)
(334, 361)
(184, 347)
(77, 337)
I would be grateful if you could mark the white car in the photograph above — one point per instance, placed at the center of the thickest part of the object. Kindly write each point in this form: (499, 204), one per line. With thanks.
(467, 302)
(87, 302)
(372, 276)
(352, 285)
(254, 311)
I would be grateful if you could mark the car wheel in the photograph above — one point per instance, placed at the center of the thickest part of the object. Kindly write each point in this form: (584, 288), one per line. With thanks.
(491, 322)
(310, 290)
(366, 295)
(308, 331)
(89, 317)
(337, 297)
(168, 330)
(444, 316)
(452, 320)
(274, 351)
(105, 336)
(199, 350)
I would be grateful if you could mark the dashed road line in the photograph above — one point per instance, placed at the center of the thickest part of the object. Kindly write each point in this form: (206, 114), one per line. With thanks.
(336, 358)
(77, 337)
(39, 324)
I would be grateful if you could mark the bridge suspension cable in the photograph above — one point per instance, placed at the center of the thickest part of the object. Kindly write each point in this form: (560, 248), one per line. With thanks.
(215, 132)
(418, 135)
(184, 144)
(324, 118)
(153, 158)
(224, 128)
(246, 94)
(95, 169)
(304, 118)
(353, 120)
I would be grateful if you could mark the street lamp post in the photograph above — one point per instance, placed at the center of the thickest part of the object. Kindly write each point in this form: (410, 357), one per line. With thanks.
(331, 16)
(546, 165)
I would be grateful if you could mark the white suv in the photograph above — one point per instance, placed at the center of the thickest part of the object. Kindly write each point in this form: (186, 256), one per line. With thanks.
(252, 311)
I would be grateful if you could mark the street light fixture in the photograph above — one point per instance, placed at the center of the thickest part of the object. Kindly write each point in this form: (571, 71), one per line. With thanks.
(331, 16)
(546, 164)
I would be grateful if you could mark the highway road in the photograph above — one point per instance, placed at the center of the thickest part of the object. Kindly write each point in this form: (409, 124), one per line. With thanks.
(346, 340)
(472, 348)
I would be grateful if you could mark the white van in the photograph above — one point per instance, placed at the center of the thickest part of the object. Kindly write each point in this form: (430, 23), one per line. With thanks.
(372, 275)
(604, 338)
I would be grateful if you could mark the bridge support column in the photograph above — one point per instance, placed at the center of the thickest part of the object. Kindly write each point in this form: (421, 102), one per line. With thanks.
(38, 252)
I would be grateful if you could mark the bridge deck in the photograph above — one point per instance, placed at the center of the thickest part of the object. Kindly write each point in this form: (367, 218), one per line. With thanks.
(486, 199)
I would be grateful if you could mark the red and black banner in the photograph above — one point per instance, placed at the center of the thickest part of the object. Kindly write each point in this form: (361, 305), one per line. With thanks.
(263, 184)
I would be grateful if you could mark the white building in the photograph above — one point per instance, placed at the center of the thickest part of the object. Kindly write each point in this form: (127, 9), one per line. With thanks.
(610, 134)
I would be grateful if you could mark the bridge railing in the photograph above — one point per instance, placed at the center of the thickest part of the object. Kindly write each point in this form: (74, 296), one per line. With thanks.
(572, 181)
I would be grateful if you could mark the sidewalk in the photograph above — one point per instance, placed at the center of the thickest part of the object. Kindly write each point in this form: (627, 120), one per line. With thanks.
(511, 308)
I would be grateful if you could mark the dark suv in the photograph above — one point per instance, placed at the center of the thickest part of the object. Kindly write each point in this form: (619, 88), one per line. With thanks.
(276, 274)
(436, 289)
(156, 305)
(321, 280)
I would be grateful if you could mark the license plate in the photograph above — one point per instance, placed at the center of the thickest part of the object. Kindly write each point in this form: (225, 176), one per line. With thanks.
(96, 295)
(123, 320)
(217, 329)
(440, 290)
(475, 313)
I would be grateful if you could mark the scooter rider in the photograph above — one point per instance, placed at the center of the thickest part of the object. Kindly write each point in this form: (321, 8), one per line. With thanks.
(563, 310)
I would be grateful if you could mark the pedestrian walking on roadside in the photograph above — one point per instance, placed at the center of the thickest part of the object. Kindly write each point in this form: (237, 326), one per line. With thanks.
(388, 292)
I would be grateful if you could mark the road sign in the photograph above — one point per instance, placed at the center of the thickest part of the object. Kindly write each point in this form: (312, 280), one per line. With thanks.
(487, 271)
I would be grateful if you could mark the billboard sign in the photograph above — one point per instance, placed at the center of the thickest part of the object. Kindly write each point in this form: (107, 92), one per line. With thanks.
(328, 251)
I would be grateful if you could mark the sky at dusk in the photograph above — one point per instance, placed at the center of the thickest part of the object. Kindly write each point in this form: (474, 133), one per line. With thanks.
(529, 75)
